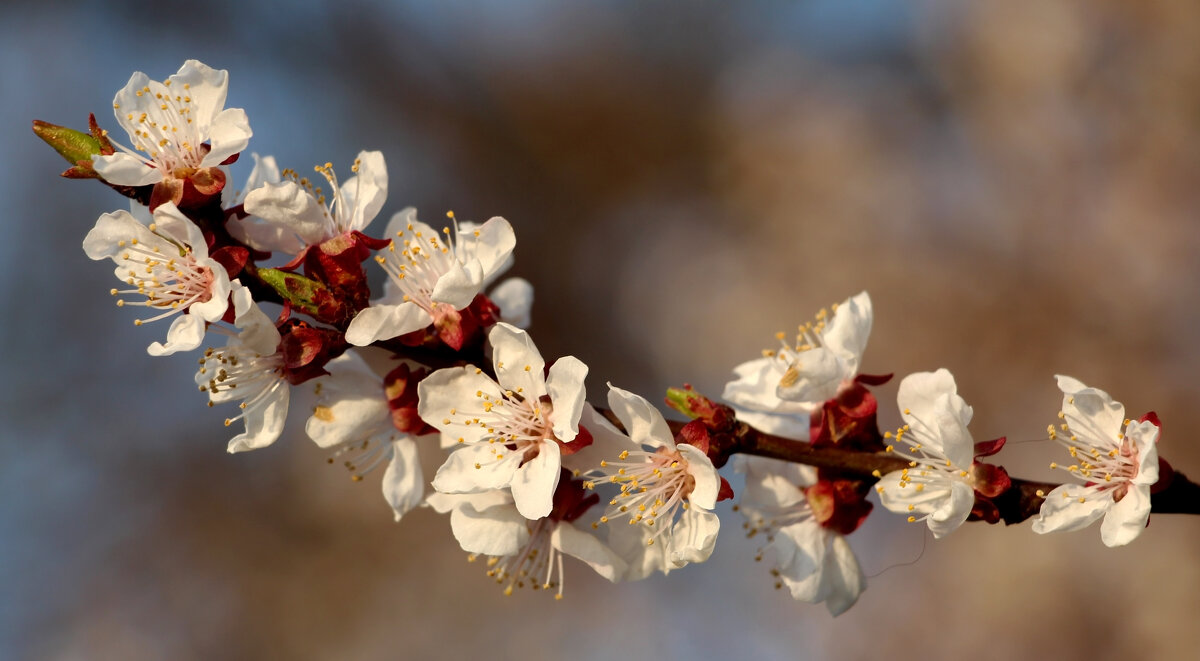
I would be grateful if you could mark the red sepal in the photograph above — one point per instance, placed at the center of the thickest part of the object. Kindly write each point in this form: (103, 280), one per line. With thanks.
(307, 349)
(400, 388)
(571, 500)
(581, 441)
(847, 421)
(725, 492)
(694, 433)
(989, 448)
(873, 379)
(838, 505)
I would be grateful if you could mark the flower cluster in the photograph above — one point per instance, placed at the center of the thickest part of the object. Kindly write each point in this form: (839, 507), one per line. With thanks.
(441, 362)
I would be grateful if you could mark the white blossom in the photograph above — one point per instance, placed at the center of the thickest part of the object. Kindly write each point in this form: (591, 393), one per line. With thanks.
(520, 552)
(778, 392)
(510, 428)
(166, 262)
(352, 418)
(938, 486)
(1117, 458)
(814, 563)
(250, 369)
(291, 214)
(179, 125)
(667, 490)
(430, 278)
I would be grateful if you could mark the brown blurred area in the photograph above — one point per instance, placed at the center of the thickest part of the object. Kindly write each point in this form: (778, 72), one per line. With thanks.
(1014, 184)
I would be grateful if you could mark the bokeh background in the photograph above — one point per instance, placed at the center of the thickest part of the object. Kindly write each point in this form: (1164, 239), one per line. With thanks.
(1014, 183)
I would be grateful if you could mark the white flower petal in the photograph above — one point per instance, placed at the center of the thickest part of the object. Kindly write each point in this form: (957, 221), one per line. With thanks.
(264, 423)
(708, 482)
(383, 322)
(953, 510)
(586, 547)
(403, 481)
(499, 530)
(473, 468)
(818, 374)
(125, 170)
(1127, 518)
(930, 404)
(290, 206)
(565, 386)
(446, 502)
(228, 134)
(641, 419)
(366, 192)
(1091, 411)
(186, 333)
(534, 482)
(456, 389)
(518, 363)
(207, 87)
(693, 537)
(514, 297)
(458, 286)
(1145, 437)
(490, 245)
(846, 580)
(848, 331)
(1062, 510)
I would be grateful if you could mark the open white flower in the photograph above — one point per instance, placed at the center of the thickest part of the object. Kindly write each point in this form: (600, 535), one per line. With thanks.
(289, 215)
(352, 418)
(511, 431)
(521, 552)
(167, 262)
(778, 392)
(179, 125)
(250, 369)
(430, 278)
(1117, 457)
(815, 563)
(938, 486)
(659, 480)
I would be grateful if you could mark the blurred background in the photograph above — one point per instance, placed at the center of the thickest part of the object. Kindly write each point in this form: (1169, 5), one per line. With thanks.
(1014, 183)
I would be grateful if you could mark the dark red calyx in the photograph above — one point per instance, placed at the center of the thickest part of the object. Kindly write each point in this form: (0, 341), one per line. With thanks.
(839, 505)
(461, 330)
(400, 389)
(695, 434)
(188, 188)
(306, 350)
(989, 480)
(337, 263)
(847, 421)
(571, 500)
(232, 258)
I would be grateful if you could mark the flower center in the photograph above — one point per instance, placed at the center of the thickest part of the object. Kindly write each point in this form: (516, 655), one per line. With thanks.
(236, 372)
(169, 283)
(164, 130)
(1101, 463)
(654, 486)
(417, 266)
